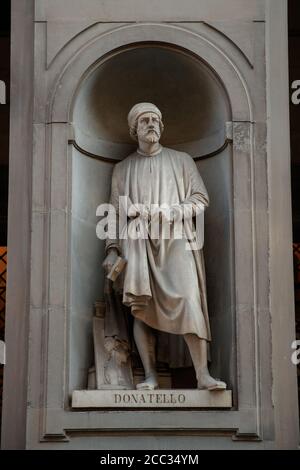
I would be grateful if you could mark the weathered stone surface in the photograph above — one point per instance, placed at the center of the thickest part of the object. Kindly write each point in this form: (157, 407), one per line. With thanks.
(135, 10)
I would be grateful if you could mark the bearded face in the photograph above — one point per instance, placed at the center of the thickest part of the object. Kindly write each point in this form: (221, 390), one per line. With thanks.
(148, 128)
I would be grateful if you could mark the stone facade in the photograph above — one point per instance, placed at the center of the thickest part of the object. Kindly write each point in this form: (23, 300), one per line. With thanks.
(241, 47)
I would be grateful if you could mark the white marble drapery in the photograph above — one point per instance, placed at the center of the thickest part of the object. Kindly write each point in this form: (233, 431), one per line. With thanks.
(164, 282)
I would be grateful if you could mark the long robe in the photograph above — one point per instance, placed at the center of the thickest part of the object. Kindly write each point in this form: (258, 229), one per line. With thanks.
(163, 282)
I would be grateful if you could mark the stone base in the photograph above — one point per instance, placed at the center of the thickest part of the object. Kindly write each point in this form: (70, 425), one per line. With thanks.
(151, 399)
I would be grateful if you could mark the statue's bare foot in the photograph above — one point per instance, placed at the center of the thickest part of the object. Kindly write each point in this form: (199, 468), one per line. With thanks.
(207, 382)
(151, 383)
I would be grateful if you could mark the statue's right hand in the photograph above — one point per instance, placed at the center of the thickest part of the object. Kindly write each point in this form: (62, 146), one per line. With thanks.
(110, 260)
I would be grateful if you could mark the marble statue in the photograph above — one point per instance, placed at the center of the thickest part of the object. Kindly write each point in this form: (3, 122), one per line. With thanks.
(163, 282)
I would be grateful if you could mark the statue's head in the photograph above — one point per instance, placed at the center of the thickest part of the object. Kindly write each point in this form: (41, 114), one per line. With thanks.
(145, 122)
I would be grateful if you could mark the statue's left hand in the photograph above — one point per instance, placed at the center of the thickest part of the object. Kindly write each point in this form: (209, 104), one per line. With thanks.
(110, 260)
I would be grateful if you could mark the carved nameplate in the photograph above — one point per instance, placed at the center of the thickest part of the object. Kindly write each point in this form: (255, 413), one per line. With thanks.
(151, 399)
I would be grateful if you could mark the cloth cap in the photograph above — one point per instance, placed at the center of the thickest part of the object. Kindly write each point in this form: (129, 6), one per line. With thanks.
(141, 108)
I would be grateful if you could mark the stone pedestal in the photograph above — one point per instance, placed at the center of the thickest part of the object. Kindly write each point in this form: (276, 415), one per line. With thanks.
(155, 399)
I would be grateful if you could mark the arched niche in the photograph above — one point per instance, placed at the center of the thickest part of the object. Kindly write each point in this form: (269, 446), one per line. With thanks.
(195, 107)
(189, 94)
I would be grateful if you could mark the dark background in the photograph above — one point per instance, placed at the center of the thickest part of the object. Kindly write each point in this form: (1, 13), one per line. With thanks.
(294, 69)
(294, 61)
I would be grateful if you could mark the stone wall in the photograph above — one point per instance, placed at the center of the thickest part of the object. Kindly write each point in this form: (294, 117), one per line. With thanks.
(244, 45)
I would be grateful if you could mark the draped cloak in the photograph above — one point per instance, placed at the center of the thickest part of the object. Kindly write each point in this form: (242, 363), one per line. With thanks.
(164, 281)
